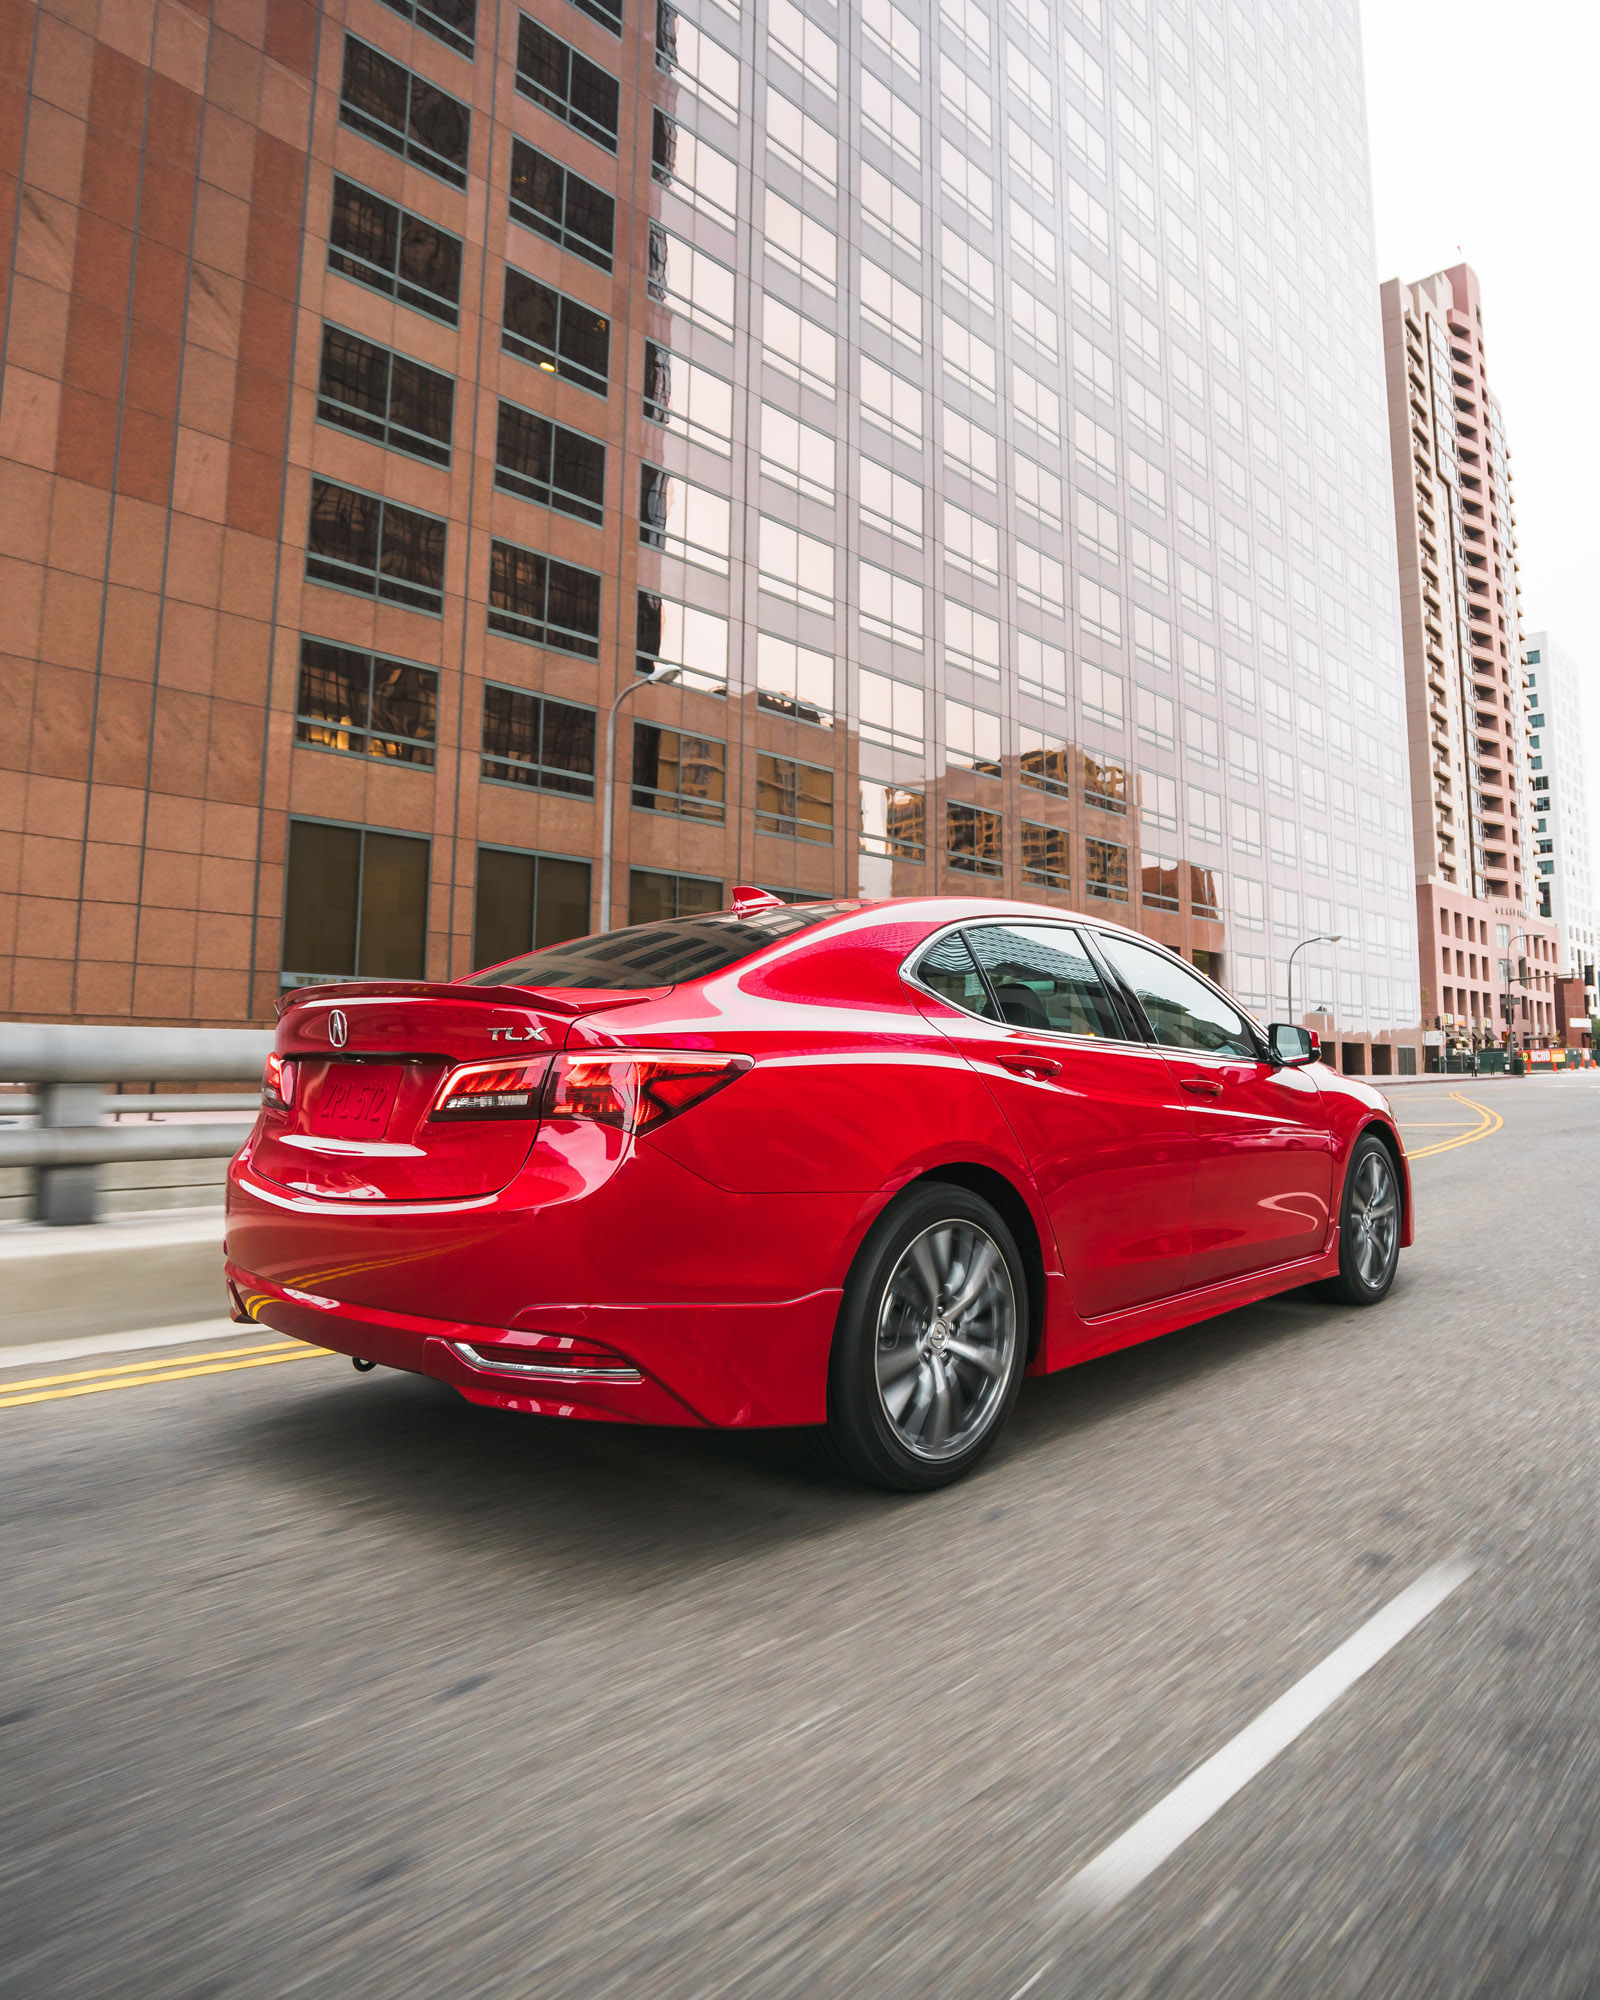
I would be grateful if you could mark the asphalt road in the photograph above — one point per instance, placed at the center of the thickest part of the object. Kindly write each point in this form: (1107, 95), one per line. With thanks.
(317, 1684)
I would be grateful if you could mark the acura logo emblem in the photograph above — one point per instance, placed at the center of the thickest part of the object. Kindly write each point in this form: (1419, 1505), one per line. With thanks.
(338, 1028)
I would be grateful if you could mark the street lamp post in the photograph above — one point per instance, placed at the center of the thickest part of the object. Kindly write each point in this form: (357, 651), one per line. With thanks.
(1509, 962)
(1322, 937)
(656, 677)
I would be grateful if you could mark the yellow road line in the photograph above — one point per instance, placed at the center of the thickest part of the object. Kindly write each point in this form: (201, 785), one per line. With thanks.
(1489, 1121)
(298, 1353)
(144, 1367)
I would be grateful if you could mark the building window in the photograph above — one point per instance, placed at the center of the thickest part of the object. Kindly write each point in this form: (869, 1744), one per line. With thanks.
(359, 542)
(545, 602)
(892, 712)
(364, 704)
(1104, 785)
(678, 635)
(794, 800)
(695, 171)
(972, 738)
(654, 897)
(688, 281)
(677, 773)
(383, 100)
(1105, 870)
(1046, 857)
(529, 739)
(386, 397)
(560, 335)
(1204, 899)
(572, 212)
(524, 902)
(683, 520)
(793, 679)
(355, 904)
(685, 398)
(546, 462)
(453, 22)
(973, 839)
(394, 252)
(607, 12)
(567, 84)
(893, 822)
(1046, 764)
(1158, 883)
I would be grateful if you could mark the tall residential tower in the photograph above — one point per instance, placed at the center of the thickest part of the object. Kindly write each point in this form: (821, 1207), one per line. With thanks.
(976, 405)
(1485, 959)
(1558, 801)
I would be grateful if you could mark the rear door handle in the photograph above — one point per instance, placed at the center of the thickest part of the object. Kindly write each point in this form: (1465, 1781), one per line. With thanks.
(1039, 1067)
(1202, 1086)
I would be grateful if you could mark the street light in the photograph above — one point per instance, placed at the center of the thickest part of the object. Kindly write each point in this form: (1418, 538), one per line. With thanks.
(1322, 937)
(1507, 964)
(657, 676)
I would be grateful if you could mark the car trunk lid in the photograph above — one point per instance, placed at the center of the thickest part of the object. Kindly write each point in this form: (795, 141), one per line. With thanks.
(364, 1065)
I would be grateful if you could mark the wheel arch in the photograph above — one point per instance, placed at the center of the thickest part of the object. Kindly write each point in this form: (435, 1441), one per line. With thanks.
(1008, 1200)
(1384, 1133)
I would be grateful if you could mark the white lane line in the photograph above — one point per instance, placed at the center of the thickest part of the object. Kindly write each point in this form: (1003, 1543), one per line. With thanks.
(1119, 1869)
(125, 1343)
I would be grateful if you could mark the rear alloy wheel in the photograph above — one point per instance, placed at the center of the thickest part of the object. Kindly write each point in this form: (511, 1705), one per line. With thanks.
(931, 1343)
(1369, 1225)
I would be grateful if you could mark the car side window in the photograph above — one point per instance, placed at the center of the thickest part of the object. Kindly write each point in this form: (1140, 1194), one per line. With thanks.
(1182, 1010)
(1044, 978)
(948, 969)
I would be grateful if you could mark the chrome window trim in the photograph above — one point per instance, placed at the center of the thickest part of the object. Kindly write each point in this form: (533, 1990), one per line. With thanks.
(914, 957)
(1198, 1055)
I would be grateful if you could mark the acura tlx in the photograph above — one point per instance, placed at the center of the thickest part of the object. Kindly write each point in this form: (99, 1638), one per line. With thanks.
(854, 1165)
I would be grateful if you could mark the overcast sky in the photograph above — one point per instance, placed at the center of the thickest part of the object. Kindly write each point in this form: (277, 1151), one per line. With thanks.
(1482, 129)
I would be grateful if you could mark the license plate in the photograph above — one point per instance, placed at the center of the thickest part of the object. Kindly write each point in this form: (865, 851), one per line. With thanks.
(354, 1101)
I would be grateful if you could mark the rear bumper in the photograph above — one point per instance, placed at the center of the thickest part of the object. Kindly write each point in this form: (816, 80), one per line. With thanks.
(627, 1260)
(435, 1347)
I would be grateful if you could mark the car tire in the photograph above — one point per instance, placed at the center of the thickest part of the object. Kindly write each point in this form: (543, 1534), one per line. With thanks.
(1369, 1225)
(931, 1343)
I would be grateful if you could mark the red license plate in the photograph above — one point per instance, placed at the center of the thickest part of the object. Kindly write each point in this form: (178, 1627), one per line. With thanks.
(354, 1101)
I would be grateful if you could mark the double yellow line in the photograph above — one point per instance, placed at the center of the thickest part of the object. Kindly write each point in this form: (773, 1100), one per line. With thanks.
(141, 1374)
(1488, 1121)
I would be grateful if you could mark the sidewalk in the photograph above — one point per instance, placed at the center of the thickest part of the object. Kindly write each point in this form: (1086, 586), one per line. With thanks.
(161, 1268)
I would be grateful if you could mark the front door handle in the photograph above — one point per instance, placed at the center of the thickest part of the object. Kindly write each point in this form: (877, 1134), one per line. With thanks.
(1202, 1086)
(1038, 1067)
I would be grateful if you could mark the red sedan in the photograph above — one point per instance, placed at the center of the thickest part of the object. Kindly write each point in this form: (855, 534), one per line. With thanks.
(854, 1165)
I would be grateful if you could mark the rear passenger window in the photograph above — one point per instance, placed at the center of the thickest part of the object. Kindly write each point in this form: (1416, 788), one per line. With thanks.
(948, 969)
(1043, 978)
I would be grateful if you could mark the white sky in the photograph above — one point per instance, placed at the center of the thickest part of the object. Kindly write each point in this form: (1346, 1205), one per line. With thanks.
(1481, 120)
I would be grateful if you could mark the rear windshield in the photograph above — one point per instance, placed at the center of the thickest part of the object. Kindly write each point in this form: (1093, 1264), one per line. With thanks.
(661, 954)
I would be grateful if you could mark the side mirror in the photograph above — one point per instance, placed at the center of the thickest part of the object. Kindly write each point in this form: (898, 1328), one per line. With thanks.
(1294, 1046)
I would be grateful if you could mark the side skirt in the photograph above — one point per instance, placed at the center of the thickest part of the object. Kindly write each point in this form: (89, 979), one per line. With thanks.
(1085, 1340)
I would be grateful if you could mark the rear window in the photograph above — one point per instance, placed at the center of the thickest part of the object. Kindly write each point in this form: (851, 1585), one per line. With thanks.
(663, 954)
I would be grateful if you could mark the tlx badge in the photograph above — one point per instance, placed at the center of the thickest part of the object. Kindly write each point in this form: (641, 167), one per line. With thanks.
(516, 1035)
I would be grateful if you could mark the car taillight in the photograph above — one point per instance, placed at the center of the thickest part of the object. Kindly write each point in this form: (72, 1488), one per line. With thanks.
(277, 1084)
(492, 1090)
(636, 1092)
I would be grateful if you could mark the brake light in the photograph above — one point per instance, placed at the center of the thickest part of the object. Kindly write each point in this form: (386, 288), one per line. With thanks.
(277, 1084)
(636, 1092)
(491, 1090)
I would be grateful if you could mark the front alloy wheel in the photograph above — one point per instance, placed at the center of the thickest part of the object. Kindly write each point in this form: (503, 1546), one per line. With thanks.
(1369, 1225)
(932, 1341)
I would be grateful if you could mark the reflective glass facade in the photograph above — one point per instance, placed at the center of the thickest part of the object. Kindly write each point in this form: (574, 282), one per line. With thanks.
(980, 406)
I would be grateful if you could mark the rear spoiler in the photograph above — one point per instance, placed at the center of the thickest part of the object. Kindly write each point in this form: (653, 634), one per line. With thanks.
(552, 999)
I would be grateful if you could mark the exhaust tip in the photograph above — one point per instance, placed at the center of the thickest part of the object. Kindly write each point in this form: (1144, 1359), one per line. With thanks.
(360, 1366)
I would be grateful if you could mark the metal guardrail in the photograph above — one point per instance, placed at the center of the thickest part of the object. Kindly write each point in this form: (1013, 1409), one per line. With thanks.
(63, 1068)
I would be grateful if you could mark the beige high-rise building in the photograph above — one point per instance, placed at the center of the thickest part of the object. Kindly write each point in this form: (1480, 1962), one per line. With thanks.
(1485, 961)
